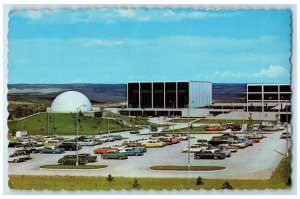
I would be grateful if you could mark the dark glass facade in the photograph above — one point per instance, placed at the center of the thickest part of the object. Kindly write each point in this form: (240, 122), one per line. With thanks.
(164, 94)
(158, 95)
(170, 94)
(183, 94)
(146, 95)
(133, 95)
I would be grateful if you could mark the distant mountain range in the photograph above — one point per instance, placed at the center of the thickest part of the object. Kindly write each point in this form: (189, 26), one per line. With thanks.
(115, 92)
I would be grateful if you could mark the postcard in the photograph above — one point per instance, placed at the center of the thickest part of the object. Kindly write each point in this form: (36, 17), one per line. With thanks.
(149, 99)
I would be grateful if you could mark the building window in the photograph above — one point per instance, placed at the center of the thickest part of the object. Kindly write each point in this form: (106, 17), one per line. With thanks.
(183, 94)
(158, 95)
(285, 88)
(270, 88)
(254, 97)
(270, 96)
(170, 94)
(146, 95)
(133, 95)
(254, 89)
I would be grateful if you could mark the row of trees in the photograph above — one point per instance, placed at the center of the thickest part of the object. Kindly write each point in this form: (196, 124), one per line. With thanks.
(23, 110)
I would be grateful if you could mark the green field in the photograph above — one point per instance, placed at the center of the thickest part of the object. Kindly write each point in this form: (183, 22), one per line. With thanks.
(59, 166)
(279, 180)
(185, 168)
(64, 124)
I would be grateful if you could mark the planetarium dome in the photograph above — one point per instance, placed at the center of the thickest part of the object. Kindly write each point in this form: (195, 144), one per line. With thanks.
(70, 101)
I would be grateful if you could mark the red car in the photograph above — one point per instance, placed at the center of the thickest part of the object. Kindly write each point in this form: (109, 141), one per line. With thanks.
(175, 140)
(104, 150)
(167, 141)
(254, 140)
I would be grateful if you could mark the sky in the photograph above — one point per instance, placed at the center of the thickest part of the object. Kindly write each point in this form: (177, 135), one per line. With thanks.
(120, 45)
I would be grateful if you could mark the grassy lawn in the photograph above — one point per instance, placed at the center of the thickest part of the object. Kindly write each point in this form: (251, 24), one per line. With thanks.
(132, 120)
(278, 180)
(184, 168)
(64, 124)
(58, 166)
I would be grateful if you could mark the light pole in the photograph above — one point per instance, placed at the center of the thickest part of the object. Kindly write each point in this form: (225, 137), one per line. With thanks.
(189, 143)
(77, 111)
(48, 123)
(108, 130)
(173, 116)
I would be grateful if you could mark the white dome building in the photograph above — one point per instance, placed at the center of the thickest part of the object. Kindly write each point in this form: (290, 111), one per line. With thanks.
(70, 101)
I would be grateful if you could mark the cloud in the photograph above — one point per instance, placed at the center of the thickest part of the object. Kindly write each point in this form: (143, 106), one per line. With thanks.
(34, 14)
(105, 15)
(103, 42)
(273, 71)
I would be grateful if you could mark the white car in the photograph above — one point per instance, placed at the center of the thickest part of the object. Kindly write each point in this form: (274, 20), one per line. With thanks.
(194, 148)
(15, 158)
(237, 143)
(119, 147)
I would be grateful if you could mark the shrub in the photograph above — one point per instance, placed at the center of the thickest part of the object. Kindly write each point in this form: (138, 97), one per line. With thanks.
(226, 185)
(199, 181)
(109, 177)
(135, 184)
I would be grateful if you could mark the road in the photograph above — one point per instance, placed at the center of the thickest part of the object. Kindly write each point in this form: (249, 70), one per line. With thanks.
(256, 162)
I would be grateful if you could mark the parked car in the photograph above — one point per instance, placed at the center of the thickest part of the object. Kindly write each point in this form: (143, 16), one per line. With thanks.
(237, 143)
(71, 160)
(166, 140)
(114, 154)
(52, 142)
(285, 135)
(15, 158)
(69, 146)
(14, 144)
(153, 143)
(229, 147)
(134, 132)
(23, 154)
(219, 149)
(246, 141)
(132, 151)
(103, 150)
(88, 142)
(143, 149)
(89, 157)
(53, 150)
(195, 148)
(175, 140)
(119, 147)
(204, 154)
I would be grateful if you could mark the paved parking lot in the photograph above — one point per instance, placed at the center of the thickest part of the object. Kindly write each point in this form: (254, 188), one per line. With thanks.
(256, 162)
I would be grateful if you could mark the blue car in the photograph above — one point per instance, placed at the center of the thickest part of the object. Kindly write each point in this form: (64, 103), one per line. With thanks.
(52, 150)
(246, 141)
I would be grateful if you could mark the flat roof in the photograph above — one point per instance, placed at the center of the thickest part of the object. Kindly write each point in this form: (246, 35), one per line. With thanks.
(185, 81)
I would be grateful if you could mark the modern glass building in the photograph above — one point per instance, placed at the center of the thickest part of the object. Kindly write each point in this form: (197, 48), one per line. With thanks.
(159, 97)
(270, 98)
